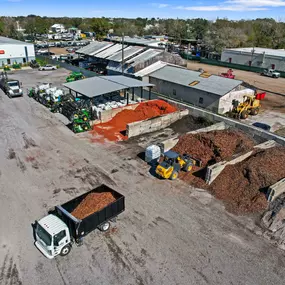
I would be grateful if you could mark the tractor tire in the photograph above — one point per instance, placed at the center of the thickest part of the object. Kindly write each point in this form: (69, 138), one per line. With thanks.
(244, 114)
(174, 175)
(254, 112)
(65, 250)
(85, 127)
(188, 167)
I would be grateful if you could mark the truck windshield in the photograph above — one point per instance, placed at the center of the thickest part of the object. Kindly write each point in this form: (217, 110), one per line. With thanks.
(43, 235)
(13, 84)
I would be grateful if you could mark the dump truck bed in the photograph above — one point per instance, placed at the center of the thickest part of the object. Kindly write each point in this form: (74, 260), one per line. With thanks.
(81, 227)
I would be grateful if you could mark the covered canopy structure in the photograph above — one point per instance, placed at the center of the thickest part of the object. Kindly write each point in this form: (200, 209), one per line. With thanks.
(97, 86)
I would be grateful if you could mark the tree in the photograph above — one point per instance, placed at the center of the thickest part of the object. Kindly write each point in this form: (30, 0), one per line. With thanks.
(100, 26)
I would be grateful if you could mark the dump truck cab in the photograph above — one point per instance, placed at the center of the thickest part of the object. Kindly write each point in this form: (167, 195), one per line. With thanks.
(52, 236)
(173, 162)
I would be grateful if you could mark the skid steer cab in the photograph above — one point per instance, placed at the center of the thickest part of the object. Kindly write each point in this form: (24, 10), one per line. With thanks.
(173, 163)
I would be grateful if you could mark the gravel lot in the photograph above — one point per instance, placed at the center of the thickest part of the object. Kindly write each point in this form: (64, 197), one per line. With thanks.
(169, 234)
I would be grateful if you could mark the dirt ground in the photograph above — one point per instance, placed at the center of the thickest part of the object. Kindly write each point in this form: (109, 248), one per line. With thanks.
(58, 51)
(272, 102)
(169, 234)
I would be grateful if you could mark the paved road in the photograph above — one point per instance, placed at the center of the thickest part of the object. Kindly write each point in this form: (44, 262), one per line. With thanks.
(169, 233)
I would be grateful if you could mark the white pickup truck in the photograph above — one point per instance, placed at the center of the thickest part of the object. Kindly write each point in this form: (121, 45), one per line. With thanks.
(270, 73)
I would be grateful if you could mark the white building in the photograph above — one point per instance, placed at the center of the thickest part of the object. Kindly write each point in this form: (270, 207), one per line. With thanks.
(12, 51)
(58, 28)
(204, 90)
(257, 57)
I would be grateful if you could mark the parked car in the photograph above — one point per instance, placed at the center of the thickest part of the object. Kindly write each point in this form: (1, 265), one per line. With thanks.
(48, 67)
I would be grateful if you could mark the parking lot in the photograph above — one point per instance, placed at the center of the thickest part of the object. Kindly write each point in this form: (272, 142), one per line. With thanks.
(170, 233)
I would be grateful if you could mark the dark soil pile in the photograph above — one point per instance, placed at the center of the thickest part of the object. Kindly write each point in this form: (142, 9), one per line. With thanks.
(242, 186)
(92, 203)
(215, 146)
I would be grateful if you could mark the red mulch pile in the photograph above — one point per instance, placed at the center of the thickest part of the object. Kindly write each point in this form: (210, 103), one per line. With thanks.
(214, 146)
(114, 129)
(92, 203)
(241, 185)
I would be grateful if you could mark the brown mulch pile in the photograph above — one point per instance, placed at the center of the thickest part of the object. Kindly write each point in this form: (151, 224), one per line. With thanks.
(242, 185)
(211, 147)
(214, 146)
(92, 203)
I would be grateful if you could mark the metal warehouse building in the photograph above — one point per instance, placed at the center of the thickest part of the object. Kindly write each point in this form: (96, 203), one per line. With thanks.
(258, 57)
(204, 90)
(12, 51)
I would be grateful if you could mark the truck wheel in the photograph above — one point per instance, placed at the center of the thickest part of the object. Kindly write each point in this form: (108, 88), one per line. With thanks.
(105, 227)
(65, 250)
(244, 114)
(174, 175)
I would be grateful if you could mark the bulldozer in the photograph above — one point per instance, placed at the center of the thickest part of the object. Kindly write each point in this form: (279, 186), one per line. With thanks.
(173, 163)
(250, 106)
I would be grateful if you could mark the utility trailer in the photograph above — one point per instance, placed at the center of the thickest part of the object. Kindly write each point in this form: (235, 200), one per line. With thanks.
(57, 232)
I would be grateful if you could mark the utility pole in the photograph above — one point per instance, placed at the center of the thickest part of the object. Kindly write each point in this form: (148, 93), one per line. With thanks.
(123, 59)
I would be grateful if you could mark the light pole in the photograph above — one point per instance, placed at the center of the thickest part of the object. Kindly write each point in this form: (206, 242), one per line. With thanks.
(188, 47)
(123, 59)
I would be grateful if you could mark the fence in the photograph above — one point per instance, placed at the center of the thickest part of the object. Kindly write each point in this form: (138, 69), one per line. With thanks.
(86, 73)
(226, 64)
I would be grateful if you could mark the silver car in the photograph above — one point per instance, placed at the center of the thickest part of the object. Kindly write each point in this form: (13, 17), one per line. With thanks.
(48, 67)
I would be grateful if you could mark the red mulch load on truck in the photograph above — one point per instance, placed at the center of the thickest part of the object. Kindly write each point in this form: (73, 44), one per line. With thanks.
(214, 146)
(92, 203)
(242, 185)
(114, 129)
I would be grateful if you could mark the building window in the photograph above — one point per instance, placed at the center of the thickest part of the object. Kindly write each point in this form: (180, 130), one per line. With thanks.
(8, 61)
(24, 60)
(174, 92)
(201, 100)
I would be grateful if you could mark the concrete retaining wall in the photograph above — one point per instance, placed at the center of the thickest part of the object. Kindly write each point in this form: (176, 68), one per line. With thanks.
(215, 118)
(107, 115)
(213, 171)
(151, 125)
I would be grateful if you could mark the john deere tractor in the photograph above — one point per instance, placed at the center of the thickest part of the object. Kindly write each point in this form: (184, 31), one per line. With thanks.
(74, 76)
(249, 106)
(173, 163)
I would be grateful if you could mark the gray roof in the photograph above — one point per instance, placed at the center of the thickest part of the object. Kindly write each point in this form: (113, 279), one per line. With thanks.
(126, 81)
(96, 86)
(7, 41)
(128, 52)
(138, 41)
(94, 47)
(214, 84)
(109, 51)
(257, 50)
(144, 56)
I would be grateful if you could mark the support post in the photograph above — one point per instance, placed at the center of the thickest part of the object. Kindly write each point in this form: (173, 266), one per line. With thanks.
(133, 94)
(149, 93)
(128, 99)
(141, 92)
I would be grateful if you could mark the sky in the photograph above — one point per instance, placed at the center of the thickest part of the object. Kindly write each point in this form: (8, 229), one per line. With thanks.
(209, 9)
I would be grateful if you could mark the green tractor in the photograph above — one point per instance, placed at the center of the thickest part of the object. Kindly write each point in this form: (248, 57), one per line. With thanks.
(81, 121)
(74, 76)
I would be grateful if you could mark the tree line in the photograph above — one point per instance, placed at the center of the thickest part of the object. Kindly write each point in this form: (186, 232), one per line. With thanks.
(214, 35)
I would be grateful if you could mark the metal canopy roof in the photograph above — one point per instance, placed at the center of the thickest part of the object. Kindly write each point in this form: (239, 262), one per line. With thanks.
(214, 84)
(97, 86)
(94, 47)
(126, 81)
(109, 51)
(128, 52)
(144, 56)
